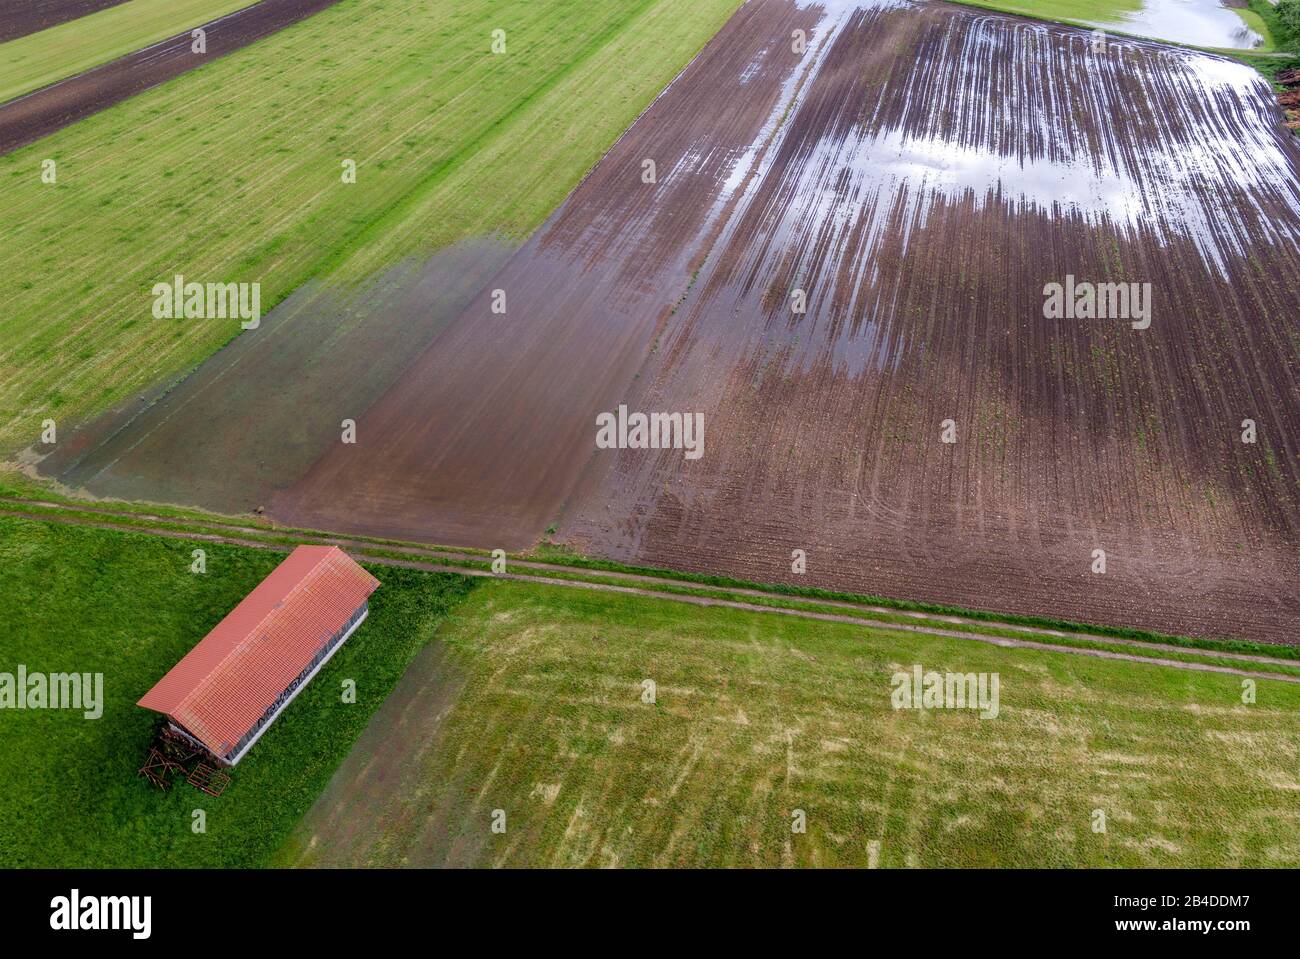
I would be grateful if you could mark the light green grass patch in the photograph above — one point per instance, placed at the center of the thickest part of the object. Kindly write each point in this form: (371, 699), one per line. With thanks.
(1077, 10)
(39, 59)
(1256, 23)
(757, 716)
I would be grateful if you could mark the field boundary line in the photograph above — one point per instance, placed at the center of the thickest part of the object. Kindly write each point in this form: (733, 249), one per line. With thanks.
(1005, 642)
(324, 270)
(456, 556)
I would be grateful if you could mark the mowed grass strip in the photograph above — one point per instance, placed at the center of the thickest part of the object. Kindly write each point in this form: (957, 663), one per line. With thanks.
(232, 173)
(756, 717)
(39, 59)
(127, 606)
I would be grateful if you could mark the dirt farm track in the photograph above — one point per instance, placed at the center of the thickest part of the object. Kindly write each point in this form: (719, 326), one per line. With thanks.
(21, 17)
(919, 212)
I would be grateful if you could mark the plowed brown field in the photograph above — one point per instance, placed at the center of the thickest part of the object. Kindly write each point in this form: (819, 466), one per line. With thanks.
(920, 173)
(937, 172)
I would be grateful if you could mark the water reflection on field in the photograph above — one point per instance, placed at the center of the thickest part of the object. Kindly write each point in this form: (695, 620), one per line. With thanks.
(1206, 23)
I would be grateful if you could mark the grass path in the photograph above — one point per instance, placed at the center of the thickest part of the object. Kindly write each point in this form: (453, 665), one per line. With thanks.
(39, 59)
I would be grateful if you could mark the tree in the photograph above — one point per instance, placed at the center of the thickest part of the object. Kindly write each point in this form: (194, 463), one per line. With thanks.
(1288, 15)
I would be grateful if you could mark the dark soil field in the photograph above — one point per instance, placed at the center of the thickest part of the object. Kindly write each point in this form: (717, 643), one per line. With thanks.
(920, 175)
(923, 208)
(21, 17)
(923, 212)
(39, 114)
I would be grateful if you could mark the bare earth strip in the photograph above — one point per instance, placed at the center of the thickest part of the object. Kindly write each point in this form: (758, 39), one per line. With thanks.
(39, 114)
(21, 17)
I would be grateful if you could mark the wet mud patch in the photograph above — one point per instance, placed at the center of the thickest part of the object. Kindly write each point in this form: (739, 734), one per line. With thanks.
(373, 812)
(250, 421)
(481, 440)
(938, 170)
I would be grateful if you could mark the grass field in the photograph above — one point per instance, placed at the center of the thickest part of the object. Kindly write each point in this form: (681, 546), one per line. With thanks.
(527, 698)
(39, 59)
(127, 606)
(755, 718)
(232, 173)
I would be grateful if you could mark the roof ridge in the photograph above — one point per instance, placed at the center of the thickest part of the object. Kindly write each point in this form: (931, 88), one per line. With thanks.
(239, 647)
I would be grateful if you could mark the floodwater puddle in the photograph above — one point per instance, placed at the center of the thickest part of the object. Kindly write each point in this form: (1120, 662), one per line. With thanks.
(1205, 23)
(881, 275)
(254, 417)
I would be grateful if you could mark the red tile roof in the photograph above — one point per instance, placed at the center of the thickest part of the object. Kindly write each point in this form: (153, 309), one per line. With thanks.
(226, 683)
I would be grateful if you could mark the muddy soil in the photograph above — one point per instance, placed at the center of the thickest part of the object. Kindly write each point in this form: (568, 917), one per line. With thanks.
(21, 17)
(483, 437)
(915, 179)
(938, 171)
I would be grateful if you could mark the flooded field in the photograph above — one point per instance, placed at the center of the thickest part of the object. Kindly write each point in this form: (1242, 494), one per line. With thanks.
(937, 171)
(1205, 23)
(480, 441)
(833, 237)
(250, 421)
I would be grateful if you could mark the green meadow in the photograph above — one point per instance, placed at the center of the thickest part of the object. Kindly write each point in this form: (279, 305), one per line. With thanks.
(62, 51)
(756, 718)
(478, 696)
(127, 606)
(233, 173)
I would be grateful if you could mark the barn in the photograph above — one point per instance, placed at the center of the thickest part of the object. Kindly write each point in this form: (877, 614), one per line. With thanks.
(229, 688)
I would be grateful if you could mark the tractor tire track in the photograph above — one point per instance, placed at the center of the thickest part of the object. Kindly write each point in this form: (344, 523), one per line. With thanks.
(448, 555)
